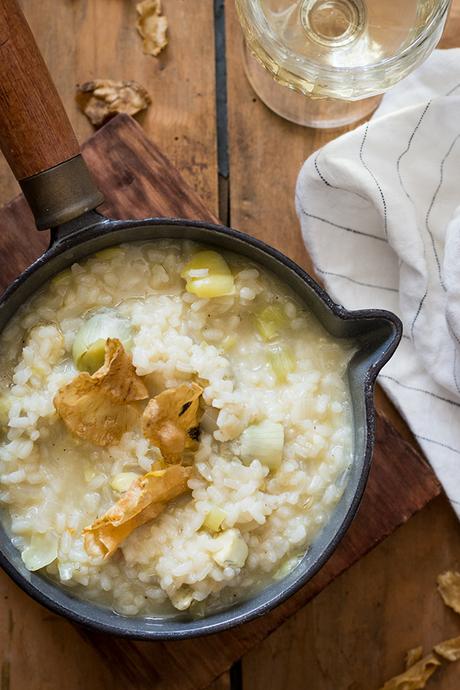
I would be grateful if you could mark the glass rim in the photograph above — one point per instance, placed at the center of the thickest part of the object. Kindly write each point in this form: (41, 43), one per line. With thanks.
(289, 60)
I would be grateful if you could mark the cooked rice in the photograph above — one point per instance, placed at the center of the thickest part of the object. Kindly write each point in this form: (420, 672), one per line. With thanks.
(54, 484)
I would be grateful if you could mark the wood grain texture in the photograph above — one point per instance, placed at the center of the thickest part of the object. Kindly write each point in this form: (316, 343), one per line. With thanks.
(290, 661)
(35, 132)
(354, 635)
(87, 39)
(39, 650)
(137, 180)
(266, 153)
(221, 683)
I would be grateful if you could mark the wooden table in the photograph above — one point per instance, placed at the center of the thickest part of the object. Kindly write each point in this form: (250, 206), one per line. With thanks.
(355, 633)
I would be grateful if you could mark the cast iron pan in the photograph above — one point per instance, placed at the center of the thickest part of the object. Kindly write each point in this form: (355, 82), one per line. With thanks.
(40, 146)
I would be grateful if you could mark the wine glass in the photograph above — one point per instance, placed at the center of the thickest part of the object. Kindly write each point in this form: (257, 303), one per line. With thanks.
(336, 57)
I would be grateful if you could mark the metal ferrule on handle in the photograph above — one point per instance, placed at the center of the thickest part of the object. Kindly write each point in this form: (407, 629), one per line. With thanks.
(61, 193)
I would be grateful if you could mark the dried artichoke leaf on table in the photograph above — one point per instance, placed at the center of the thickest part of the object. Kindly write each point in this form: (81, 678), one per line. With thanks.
(449, 589)
(152, 25)
(97, 407)
(145, 499)
(171, 420)
(101, 99)
(415, 677)
(449, 649)
(418, 671)
(413, 655)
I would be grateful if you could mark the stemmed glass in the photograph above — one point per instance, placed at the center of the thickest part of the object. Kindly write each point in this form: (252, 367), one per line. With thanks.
(325, 63)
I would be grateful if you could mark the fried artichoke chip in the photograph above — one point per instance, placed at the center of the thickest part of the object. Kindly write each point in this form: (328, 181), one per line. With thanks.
(413, 655)
(449, 589)
(101, 99)
(152, 26)
(171, 420)
(449, 649)
(97, 407)
(415, 677)
(146, 498)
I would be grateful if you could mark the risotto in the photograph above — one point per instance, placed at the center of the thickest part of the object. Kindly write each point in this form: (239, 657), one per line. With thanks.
(215, 452)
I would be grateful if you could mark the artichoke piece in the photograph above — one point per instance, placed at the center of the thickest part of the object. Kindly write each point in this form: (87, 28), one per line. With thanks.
(287, 567)
(414, 677)
(4, 411)
(171, 420)
(449, 589)
(229, 342)
(108, 254)
(97, 408)
(146, 499)
(123, 480)
(264, 441)
(214, 519)
(88, 350)
(42, 550)
(449, 649)
(152, 25)
(282, 361)
(207, 275)
(61, 277)
(271, 321)
(92, 358)
(412, 656)
(233, 550)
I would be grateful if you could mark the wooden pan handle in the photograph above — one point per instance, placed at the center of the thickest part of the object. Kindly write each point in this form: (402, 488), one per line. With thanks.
(35, 132)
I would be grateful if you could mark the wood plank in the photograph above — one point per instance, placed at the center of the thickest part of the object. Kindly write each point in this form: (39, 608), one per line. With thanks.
(97, 39)
(262, 198)
(354, 635)
(222, 683)
(266, 153)
(82, 40)
(39, 650)
(136, 180)
(451, 35)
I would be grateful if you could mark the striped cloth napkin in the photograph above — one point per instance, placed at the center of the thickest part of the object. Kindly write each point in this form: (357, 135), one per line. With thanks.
(380, 214)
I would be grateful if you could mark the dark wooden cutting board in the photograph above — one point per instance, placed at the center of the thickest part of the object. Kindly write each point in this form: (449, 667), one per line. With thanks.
(138, 181)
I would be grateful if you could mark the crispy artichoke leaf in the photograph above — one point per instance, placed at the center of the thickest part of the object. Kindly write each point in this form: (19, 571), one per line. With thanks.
(101, 99)
(449, 649)
(171, 420)
(145, 499)
(449, 589)
(92, 415)
(96, 408)
(415, 677)
(105, 539)
(117, 376)
(152, 26)
(413, 655)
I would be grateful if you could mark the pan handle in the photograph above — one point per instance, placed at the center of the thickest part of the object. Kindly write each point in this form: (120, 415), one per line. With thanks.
(36, 136)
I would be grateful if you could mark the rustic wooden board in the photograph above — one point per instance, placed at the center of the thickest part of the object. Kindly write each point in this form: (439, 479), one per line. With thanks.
(354, 635)
(89, 39)
(137, 181)
(263, 176)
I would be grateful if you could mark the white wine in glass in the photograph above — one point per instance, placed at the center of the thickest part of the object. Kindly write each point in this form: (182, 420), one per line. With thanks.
(335, 56)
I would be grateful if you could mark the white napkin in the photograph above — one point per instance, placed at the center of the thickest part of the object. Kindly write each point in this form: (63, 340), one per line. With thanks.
(380, 214)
